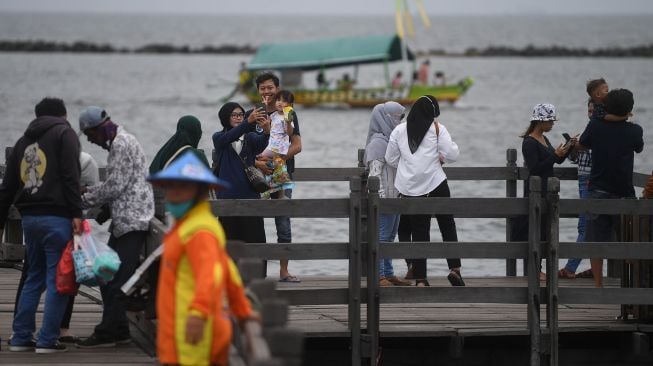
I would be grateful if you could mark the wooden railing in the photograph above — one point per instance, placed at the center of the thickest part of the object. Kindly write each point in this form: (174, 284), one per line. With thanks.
(362, 250)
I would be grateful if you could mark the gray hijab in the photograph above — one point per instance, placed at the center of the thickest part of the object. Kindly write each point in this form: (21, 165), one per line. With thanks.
(385, 117)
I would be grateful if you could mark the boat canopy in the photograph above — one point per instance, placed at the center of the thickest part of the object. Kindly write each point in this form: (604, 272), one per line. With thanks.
(313, 55)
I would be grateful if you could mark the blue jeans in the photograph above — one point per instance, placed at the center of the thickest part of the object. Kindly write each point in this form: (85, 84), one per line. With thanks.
(388, 225)
(583, 192)
(45, 238)
(283, 224)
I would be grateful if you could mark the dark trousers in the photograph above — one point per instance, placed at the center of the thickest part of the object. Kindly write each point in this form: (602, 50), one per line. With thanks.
(65, 322)
(249, 229)
(417, 228)
(114, 324)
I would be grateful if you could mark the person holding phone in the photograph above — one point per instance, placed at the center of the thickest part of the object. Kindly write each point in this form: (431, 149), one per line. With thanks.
(539, 157)
(267, 85)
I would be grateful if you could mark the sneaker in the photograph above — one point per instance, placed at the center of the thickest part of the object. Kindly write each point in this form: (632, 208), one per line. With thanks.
(124, 340)
(55, 348)
(383, 282)
(399, 282)
(69, 339)
(455, 279)
(95, 342)
(25, 347)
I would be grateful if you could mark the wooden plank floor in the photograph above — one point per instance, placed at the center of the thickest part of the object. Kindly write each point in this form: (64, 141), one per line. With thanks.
(86, 315)
(433, 320)
(330, 321)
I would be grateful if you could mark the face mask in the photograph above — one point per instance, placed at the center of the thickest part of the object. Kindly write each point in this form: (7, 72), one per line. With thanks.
(178, 210)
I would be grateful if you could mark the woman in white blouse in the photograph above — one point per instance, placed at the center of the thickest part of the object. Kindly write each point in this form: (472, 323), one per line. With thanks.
(418, 148)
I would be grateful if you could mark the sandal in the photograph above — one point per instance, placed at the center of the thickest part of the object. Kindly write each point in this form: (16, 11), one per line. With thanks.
(564, 273)
(455, 279)
(585, 274)
(422, 283)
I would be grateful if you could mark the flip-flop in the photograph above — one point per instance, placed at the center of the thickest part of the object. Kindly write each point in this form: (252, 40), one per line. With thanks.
(290, 278)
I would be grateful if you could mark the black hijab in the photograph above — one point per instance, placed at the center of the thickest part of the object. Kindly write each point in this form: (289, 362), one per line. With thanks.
(225, 114)
(419, 120)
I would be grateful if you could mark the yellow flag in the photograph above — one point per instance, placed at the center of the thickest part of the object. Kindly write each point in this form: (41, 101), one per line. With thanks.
(423, 14)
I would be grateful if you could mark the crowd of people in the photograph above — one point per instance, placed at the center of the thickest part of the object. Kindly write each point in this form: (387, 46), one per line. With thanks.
(51, 181)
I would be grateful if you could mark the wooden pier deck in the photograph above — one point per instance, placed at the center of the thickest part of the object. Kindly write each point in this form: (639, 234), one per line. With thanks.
(328, 323)
(450, 319)
(87, 313)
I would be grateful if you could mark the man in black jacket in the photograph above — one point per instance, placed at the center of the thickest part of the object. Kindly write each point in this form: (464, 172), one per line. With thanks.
(42, 181)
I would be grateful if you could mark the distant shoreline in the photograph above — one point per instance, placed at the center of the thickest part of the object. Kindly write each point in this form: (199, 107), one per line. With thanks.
(41, 46)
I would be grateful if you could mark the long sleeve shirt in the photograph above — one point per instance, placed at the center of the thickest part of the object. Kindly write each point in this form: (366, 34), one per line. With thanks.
(125, 188)
(421, 172)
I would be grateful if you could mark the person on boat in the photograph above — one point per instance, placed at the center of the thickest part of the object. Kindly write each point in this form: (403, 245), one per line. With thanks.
(132, 207)
(244, 78)
(418, 148)
(196, 272)
(186, 138)
(231, 145)
(613, 146)
(42, 180)
(385, 117)
(346, 83)
(322, 83)
(423, 73)
(267, 85)
(397, 82)
(281, 128)
(439, 79)
(539, 158)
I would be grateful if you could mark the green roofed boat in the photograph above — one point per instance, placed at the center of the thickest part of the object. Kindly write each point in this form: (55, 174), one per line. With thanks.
(290, 61)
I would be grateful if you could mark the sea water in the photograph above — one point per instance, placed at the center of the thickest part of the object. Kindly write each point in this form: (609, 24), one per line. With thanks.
(147, 94)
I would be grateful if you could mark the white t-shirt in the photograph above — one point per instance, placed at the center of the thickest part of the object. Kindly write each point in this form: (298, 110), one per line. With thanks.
(421, 172)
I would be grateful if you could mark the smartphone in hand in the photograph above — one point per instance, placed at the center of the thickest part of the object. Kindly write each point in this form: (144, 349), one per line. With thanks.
(566, 136)
(259, 106)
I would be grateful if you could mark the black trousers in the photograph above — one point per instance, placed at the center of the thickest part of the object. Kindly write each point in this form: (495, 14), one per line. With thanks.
(249, 229)
(418, 227)
(114, 324)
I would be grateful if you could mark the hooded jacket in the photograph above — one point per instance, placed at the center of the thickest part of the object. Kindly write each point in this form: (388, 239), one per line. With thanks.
(42, 176)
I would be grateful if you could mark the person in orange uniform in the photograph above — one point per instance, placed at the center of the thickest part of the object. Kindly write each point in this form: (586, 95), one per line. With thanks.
(196, 275)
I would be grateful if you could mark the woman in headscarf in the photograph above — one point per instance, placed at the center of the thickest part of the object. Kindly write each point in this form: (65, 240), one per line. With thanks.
(385, 117)
(233, 143)
(418, 149)
(188, 135)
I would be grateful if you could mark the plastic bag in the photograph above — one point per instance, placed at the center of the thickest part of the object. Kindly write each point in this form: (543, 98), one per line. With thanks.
(83, 263)
(97, 262)
(65, 280)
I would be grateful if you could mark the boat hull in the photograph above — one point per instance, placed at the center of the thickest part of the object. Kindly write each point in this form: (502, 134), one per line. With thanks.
(369, 97)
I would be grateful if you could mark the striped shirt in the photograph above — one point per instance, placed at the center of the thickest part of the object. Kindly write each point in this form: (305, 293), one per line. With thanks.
(584, 160)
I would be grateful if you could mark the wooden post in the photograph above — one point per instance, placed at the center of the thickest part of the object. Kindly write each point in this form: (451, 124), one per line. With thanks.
(286, 344)
(354, 307)
(553, 205)
(373, 307)
(13, 227)
(511, 191)
(534, 229)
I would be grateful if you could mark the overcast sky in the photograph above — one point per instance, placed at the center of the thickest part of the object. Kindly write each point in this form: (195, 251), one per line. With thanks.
(354, 7)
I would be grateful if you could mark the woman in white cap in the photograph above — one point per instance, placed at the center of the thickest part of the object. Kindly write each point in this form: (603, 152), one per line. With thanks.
(539, 157)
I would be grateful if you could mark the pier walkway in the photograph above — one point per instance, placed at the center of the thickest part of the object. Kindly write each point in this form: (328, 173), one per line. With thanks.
(87, 313)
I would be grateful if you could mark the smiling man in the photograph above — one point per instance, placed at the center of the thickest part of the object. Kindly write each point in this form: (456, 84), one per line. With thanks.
(267, 85)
